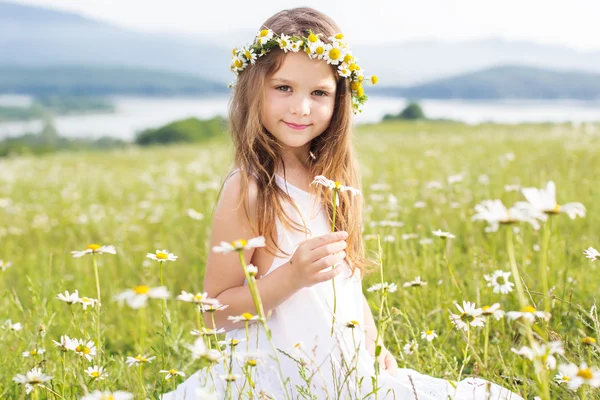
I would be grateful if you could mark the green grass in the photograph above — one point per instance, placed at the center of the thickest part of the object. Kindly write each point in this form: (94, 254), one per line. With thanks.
(137, 201)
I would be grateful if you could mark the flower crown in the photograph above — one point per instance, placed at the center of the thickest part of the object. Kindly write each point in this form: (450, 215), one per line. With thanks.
(335, 53)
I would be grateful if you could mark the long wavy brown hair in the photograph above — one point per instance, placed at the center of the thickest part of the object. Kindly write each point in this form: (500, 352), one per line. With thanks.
(257, 152)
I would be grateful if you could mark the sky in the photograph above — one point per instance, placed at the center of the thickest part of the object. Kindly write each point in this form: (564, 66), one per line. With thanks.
(573, 23)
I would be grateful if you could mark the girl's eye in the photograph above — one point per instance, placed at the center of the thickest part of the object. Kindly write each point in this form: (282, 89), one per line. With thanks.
(285, 88)
(320, 91)
(279, 87)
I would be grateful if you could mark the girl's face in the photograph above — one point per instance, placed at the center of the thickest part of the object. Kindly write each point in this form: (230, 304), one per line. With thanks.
(299, 100)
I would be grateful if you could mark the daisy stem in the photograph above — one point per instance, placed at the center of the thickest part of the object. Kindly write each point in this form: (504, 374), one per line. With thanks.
(510, 248)
(486, 342)
(465, 353)
(449, 266)
(52, 391)
(335, 199)
(142, 328)
(99, 343)
(142, 381)
(164, 333)
(544, 264)
(64, 374)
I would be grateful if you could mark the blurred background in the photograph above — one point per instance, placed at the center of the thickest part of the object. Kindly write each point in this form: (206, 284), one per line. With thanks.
(105, 73)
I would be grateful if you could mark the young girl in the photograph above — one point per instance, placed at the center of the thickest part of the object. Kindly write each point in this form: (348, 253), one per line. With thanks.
(291, 119)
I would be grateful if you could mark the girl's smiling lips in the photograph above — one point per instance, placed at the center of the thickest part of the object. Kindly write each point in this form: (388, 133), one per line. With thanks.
(295, 126)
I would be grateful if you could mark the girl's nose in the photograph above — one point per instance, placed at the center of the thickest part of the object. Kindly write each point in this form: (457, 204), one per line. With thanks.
(301, 106)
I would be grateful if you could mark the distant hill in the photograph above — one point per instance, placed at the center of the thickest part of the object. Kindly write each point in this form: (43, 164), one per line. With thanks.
(102, 81)
(35, 36)
(506, 82)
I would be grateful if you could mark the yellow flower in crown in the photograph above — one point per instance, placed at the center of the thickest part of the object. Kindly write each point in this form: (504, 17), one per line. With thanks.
(335, 52)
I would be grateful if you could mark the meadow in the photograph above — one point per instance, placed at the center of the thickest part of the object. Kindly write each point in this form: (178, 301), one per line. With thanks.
(417, 177)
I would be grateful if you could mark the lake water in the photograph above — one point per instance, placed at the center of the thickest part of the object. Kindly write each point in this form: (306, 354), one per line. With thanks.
(137, 113)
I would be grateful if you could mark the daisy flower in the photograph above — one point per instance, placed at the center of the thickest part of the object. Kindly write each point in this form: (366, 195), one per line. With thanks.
(469, 315)
(384, 287)
(85, 349)
(138, 360)
(193, 214)
(579, 375)
(541, 354)
(198, 298)
(528, 313)
(250, 55)
(416, 283)
(171, 373)
(334, 186)
(588, 340)
(66, 343)
(429, 335)
(295, 46)
(264, 36)
(230, 377)
(86, 301)
(98, 395)
(4, 265)
(561, 378)
(317, 49)
(352, 324)
(239, 245)
(213, 307)
(284, 42)
(138, 296)
(244, 317)
(410, 347)
(492, 311)
(69, 298)
(443, 235)
(252, 269)
(231, 342)
(544, 201)
(94, 249)
(499, 281)
(496, 214)
(12, 327)
(207, 332)
(33, 352)
(199, 350)
(251, 358)
(96, 373)
(32, 378)
(592, 254)
(162, 256)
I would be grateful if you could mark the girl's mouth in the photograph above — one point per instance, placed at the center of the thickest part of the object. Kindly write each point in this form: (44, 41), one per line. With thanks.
(295, 126)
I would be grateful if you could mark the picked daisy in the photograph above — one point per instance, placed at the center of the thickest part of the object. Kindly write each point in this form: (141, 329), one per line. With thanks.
(541, 354)
(580, 375)
(198, 298)
(162, 256)
(138, 296)
(334, 186)
(96, 373)
(98, 395)
(171, 373)
(544, 201)
(444, 235)
(416, 283)
(469, 315)
(492, 311)
(528, 313)
(264, 36)
(69, 298)
(592, 254)
(384, 287)
(32, 378)
(239, 245)
(496, 214)
(429, 335)
(94, 249)
(138, 360)
(499, 281)
(284, 42)
(4, 265)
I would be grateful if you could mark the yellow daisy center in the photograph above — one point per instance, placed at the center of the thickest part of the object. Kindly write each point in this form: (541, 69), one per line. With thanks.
(248, 54)
(95, 374)
(247, 316)
(238, 63)
(252, 363)
(83, 349)
(33, 352)
(360, 92)
(528, 309)
(198, 297)
(140, 358)
(588, 340)
(86, 300)
(361, 78)
(374, 79)
(240, 244)
(283, 43)
(585, 373)
(319, 50)
(173, 371)
(234, 342)
(352, 67)
(466, 317)
(234, 51)
(107, 397)
(339, 36)
(264, 33)
(428, 332)
(297, 345)
(141, 289)
(312, 38)
(354, 85)
(348, 59)
(162, 256)
(334, 54)
(93, 247)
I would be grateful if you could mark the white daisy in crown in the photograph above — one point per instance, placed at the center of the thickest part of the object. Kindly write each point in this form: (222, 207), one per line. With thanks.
(263, 36)
(284, 42)
(249, 54)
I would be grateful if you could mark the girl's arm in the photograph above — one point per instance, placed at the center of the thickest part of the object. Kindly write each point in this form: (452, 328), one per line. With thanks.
(370, 329)
(224, 277)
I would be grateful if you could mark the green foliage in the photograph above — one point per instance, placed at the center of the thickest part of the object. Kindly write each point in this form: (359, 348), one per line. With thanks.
(411, 112)
(187, 130)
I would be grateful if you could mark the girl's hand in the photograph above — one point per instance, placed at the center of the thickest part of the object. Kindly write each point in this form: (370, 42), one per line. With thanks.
(387, 361)
(315, 254)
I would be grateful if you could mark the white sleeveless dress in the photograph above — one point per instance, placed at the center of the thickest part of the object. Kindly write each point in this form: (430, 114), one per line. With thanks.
(305, 318)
